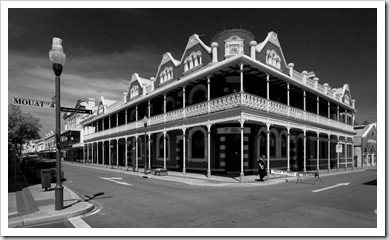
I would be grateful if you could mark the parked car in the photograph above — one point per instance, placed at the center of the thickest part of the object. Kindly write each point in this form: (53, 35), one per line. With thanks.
(28, 163)
(46, 164)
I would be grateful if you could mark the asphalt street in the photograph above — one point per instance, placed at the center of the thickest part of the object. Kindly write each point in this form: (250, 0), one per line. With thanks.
(127, 201)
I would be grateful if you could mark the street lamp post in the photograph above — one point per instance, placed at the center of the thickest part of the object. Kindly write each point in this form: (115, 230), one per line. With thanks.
(58, 58)
(145, 125)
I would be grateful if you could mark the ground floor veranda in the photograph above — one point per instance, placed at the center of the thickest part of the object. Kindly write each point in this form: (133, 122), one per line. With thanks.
(228, 145)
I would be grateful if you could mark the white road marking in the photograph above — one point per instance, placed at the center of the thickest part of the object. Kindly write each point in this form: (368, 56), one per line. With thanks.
(113, 179)
(12, 213)
(337, 185)
(77, 222)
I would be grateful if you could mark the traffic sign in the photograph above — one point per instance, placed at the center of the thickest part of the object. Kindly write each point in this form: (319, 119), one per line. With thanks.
(76, 110)
(33, 103)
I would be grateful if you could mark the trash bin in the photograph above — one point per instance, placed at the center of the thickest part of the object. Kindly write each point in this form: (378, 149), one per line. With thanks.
(46, 178)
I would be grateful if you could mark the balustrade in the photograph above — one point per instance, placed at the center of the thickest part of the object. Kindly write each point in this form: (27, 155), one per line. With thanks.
(298, 76)
(223, 103)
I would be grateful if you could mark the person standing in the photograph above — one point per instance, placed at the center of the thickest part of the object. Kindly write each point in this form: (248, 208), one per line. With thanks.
(261, 168)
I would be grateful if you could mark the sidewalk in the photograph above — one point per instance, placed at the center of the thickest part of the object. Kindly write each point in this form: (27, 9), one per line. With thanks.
(31, 205)
(199, 179)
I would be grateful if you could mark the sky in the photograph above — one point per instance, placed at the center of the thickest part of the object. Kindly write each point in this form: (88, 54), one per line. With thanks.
(105, 46)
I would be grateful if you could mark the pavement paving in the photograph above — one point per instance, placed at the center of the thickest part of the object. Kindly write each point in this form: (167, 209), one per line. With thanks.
(32, 205)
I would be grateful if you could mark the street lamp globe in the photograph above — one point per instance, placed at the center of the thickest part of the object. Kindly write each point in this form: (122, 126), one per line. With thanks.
(57, 56)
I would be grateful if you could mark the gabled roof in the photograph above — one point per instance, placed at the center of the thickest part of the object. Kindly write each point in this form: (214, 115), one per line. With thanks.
(168, 57)
(194, 40)
(271, 37)
(142, 81)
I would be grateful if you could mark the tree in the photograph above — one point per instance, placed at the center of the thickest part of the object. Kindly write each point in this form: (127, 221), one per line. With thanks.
(21, 127)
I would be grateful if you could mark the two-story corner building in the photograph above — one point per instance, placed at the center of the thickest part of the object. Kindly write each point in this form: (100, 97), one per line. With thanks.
(219, 108)
(47, 146)
(365, 141)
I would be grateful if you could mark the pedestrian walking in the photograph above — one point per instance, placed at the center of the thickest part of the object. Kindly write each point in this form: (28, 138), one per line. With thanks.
(262, 168)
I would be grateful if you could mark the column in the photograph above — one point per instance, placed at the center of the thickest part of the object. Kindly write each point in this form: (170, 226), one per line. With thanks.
(214, 46)
(345, 153)
(209, 92)
(184, 151)
(241, 147)
(109, 153)
(329, 152)
(83, 153)
(352, 156)
(318, 151)
(148, 109)
(164, 107)
(317, 105)
(329, 110)
(136, 150)
(241, 84)
(109, 122)
(288, 98)
(288, 149)
(97, 153)
(103, 157)
(209, 150)
(305, 147)
(92, 153)
(149, 141)
(164, 149)
(345, 116)
(305, 106)
(268, 92)
(117, 151)
(337, 166)
(126, 149)
(268, 147)
(183, 100)
(87, 153)
(126, 117)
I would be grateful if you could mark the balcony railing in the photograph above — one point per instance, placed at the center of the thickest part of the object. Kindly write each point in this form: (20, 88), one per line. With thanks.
(224, 103)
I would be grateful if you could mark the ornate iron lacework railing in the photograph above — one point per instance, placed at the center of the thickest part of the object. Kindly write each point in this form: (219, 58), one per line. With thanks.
(224, 103)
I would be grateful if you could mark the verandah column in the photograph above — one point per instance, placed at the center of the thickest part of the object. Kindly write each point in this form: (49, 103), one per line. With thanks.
(103, 157)
(288, 149)
(136, 152)
(109, 153)
(352, 155)
(317, 151)
(117, 151)
(209, 149)
(241, 84)
(183, 100)
(268, 91)
(164, 149)
(97, 153)
(345, 152)
(126, 150)
(149, 141)
(241, 147)
(305, 149)
(83, 152)
(184, 150)
(337, 166)
(329, 151)
(209, 92)
(268, 146)
(288, 101)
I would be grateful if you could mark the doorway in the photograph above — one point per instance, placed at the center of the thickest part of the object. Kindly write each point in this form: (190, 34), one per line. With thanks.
(233, 153)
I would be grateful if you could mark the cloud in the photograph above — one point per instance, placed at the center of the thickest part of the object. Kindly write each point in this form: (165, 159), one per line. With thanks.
(83, 77)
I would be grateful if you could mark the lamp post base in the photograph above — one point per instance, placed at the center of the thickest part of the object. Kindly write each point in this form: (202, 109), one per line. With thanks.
(58, 198)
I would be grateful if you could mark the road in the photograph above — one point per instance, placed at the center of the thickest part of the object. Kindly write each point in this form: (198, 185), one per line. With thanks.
(128, 201)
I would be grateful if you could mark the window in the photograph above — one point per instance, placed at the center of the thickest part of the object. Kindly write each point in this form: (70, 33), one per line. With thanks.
(193, 60)
(198, 145)
(262, 144)
(272, 144)
(283, 145)
(273, 59)
(134, 91)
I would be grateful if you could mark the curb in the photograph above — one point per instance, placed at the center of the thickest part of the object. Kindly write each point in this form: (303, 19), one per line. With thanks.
(28, 220)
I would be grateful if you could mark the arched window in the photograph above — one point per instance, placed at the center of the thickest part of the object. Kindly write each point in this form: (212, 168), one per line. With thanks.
(186, 66)
(283, 145)
(272, 145)
(196, 62)
(190, 63)
(198, 145)
(262, 144)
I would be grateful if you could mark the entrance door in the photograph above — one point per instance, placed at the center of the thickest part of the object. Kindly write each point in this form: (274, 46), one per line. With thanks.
(233, 153)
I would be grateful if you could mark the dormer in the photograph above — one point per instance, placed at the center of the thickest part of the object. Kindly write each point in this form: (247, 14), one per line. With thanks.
(139, 86)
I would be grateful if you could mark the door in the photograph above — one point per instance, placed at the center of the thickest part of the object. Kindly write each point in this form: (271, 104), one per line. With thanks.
(233, 153)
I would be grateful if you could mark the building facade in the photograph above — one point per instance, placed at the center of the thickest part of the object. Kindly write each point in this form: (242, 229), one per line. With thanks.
(366, 145)
(219, 108)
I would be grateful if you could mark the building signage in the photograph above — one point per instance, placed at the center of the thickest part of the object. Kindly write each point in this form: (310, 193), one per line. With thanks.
(76, 110)
(33, 103)
(339, 148)
(233, 130)
(282, 172)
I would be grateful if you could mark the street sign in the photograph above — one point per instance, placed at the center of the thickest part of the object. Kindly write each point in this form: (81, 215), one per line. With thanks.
(339, 148)
(33, 103)
(76, 110)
